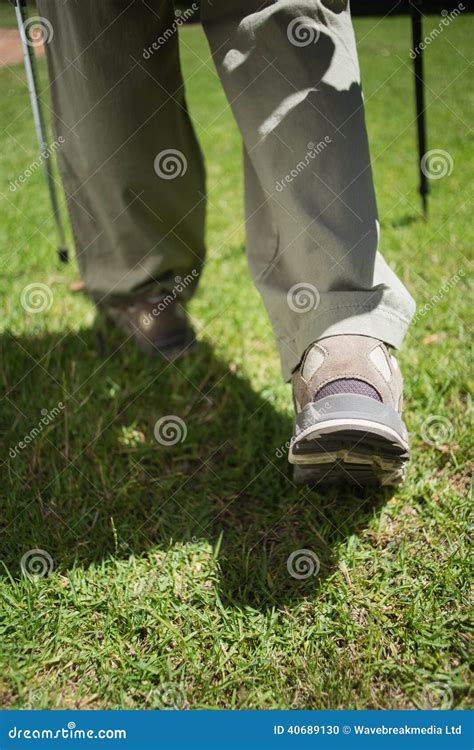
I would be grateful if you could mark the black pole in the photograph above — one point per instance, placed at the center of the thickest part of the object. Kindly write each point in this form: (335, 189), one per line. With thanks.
(31, 77)
(417, 54)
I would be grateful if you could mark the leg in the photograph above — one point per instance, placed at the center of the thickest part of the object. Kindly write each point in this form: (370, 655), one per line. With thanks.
(291, 74)
(119, 105)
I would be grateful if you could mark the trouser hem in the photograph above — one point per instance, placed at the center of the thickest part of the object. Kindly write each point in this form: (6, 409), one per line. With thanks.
(381, 324)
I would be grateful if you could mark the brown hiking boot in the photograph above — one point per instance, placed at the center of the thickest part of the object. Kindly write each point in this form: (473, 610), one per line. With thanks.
(159, 325)
(348, 398)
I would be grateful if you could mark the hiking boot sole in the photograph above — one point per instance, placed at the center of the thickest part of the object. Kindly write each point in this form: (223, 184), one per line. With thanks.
(349, 439)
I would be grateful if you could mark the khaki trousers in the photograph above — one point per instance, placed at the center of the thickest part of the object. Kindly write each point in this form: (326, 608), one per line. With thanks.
(134, 175)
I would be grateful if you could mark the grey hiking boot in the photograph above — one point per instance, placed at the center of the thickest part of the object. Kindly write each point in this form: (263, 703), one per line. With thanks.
(348, 395)
(159, 325)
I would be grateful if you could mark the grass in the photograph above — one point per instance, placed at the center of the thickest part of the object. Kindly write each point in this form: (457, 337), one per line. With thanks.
(170, 585)
(7, 15)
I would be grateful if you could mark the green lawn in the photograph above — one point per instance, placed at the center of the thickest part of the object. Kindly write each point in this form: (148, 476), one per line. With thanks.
(170, 584)
(7, 15)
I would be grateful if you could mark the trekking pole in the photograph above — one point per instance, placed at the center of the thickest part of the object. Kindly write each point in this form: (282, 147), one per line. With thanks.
(31, 77)
(416, 25)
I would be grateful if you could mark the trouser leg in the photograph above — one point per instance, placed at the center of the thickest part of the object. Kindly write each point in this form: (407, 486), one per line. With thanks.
(291, 75)
(130, 162)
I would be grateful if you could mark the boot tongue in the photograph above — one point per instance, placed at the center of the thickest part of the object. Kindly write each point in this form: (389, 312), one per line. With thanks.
(351, 386)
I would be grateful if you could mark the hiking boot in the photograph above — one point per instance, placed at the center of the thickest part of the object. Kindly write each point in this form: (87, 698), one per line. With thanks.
(348, 394)
(158, 325)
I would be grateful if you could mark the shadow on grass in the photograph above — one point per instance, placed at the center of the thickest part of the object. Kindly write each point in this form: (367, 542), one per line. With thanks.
(96, 484)
(406, 221)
